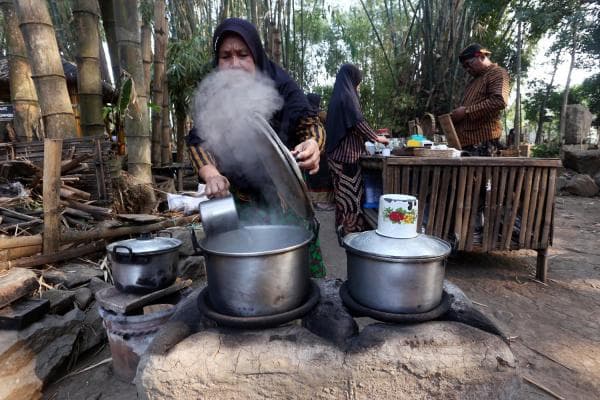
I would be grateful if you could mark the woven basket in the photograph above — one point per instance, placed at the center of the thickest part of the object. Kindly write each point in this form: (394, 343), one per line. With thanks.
(439, 153)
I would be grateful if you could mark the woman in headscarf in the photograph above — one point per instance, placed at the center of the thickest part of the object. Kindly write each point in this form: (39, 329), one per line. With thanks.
(347, 132)
(237, 45)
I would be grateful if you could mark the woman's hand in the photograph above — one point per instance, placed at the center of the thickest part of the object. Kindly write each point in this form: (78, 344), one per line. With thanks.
(216, 184)
(383, 139)
(308, 155)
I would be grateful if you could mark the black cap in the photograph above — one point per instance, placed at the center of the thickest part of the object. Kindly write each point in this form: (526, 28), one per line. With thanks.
(473, 50)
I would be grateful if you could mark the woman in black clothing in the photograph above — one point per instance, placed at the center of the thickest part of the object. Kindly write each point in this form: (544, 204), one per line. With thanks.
(347, 132)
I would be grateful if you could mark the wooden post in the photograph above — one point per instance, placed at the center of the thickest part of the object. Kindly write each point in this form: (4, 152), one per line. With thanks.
(541, 270)
(51, 193)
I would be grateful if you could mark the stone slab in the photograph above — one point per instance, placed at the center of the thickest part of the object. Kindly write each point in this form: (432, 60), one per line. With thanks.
(71, 275)
(446, 360)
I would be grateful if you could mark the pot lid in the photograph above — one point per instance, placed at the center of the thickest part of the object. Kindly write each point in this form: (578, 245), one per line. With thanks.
(374, 244)
(283, 170)
(143, 245)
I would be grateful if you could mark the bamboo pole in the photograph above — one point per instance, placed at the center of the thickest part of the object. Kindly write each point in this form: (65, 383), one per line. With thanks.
(98, 233)
(51, 194)
(34, 261)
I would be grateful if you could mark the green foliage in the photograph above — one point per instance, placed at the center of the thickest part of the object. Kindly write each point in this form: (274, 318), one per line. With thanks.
(546, 150)
(188, 62)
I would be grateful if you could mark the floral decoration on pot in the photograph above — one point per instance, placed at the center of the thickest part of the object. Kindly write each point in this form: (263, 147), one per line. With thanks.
(399, 215)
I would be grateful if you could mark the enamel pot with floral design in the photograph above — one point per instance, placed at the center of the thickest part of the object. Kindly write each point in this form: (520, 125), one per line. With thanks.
(397, 216)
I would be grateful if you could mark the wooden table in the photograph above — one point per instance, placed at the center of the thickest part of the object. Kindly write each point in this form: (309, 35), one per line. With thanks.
(514, 195)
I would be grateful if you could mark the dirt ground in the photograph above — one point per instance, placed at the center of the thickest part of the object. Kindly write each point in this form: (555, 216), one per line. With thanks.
(555, 326)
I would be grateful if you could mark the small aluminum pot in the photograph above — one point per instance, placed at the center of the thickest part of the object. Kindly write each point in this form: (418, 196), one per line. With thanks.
(258, 270)
(395, 275)
(145, 264)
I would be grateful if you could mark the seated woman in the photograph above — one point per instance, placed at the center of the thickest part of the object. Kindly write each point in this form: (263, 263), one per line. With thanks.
(237, 46)
(347, 132)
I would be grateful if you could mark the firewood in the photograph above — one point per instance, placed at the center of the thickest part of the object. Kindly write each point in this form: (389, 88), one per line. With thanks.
(63, 255)
(74, 192)
(16, 284)
(69, 165)
(96, 211)
(94, 234)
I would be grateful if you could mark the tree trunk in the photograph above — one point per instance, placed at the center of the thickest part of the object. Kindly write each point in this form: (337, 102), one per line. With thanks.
(563, 109)
(276, 45)
(180, 121)
(166, 128)
(86, 14)
(47, 70)
(542, 111)
(517, 122)
(108, 22)
(147, 55)
(22, 90)
(253, 16)
(160, 46)
(127, 21)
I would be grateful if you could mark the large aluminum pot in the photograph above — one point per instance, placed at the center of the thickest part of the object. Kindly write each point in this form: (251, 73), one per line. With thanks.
(144, 264)
(258, 270)
(395, 275)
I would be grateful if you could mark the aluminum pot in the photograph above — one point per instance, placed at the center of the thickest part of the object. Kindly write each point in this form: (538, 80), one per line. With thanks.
(258, 270)
(144, 264)
(395, 275)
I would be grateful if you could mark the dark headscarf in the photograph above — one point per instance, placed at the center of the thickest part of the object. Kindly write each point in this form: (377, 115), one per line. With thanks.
(295, 103)
(344, 110)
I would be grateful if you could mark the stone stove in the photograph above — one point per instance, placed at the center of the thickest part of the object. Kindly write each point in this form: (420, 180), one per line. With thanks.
(462, 354)
(132, 321)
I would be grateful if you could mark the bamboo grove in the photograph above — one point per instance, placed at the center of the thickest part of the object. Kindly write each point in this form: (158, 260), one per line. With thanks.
(160, 49)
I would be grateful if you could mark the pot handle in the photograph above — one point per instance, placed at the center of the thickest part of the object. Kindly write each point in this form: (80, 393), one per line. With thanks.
(169, 233)
(197, 249)
(119, 256)
(340, 235)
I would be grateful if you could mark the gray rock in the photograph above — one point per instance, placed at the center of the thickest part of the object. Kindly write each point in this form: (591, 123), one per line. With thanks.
(61, 301)
(71, 275)
(582, 185)
(582, 161)
(184, 234)
(431, 360)
(32, 357)
(577, 124)
(561, 183)
(192, 267)
(463, 310)
(96, 285)
(92, 332)
(83, 297)
(330, 319)
(597, 179)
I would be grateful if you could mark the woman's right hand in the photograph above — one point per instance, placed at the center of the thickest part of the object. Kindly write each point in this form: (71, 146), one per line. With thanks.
(216, 184)
(383, 139)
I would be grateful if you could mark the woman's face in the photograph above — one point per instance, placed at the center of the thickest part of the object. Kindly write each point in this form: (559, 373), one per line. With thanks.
(235, 54)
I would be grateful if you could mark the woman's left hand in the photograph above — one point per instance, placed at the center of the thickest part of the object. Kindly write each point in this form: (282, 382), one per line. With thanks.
(308, 155)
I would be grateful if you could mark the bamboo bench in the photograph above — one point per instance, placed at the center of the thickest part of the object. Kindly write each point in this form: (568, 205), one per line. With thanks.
(514, 195)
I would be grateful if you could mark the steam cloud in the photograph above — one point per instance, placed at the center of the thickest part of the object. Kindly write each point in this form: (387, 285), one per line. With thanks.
(223, 103)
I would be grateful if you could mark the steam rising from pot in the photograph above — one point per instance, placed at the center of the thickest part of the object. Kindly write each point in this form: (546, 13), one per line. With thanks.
(223, 103)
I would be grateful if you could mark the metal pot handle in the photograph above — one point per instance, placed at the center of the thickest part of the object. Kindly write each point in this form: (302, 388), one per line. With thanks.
(169, 233)
(195, 244)
(117, 256)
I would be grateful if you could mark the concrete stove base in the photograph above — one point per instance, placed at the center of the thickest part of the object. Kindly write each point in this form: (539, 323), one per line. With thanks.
(446, 360)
